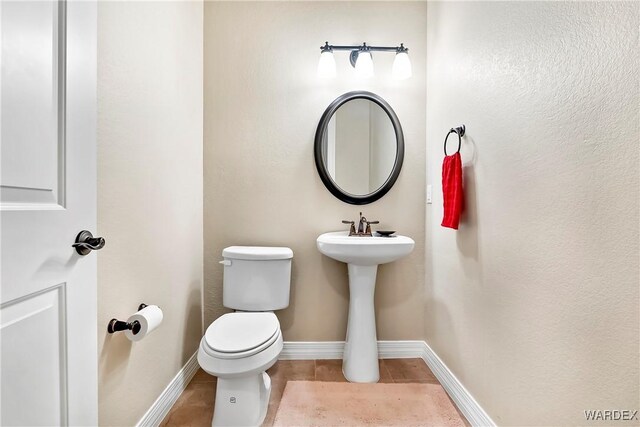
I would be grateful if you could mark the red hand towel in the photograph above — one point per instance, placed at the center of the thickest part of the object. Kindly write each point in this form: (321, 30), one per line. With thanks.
(452, 193)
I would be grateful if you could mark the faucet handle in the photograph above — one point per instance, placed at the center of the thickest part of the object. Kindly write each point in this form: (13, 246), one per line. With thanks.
(352, 228)
(368, 231)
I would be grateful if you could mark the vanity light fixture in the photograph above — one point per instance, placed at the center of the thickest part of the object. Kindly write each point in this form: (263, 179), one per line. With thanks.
(362, 60)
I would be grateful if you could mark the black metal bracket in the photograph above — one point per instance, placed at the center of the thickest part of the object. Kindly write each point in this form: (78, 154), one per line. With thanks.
(116, 325)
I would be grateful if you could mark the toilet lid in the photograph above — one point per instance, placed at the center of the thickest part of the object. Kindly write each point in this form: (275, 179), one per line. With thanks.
(238, 332)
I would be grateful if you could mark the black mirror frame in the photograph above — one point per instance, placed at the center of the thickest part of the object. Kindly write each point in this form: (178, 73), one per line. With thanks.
(331, 185)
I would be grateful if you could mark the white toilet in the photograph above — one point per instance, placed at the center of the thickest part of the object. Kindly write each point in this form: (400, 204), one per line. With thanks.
(239, 347)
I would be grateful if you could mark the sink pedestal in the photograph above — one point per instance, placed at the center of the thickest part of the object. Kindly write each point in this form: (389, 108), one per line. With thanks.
(362, 255)
(360, 360)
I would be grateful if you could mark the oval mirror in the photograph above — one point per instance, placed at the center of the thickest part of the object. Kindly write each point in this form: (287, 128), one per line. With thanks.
(359, 147)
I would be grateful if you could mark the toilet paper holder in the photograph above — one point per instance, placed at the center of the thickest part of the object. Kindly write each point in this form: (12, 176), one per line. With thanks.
(116, 325)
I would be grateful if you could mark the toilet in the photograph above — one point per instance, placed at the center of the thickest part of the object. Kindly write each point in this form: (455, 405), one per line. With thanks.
(239, 347)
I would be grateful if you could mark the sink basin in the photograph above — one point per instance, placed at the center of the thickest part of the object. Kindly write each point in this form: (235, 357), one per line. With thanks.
(362, 255)
(364, 250)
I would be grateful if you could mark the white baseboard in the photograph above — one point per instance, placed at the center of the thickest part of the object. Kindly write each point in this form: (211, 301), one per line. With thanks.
(454, 388)
(400, 349)
(170, 394)
(309, 350)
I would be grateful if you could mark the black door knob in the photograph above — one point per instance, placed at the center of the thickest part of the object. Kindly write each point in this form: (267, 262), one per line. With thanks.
(85, 243)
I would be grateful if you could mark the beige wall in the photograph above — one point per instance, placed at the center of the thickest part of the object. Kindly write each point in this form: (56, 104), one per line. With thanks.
(149, 195)
(533, 303)
(263, 102)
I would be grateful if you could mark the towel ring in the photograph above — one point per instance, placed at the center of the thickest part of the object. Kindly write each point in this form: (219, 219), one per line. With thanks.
(460, 130)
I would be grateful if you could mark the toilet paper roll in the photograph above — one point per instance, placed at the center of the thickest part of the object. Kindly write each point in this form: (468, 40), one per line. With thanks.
(149, 318)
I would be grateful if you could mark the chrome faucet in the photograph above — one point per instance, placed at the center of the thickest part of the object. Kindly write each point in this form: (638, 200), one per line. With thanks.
(364, 227)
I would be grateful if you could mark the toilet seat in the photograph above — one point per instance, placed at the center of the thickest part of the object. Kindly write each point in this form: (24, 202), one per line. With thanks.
(241, 334)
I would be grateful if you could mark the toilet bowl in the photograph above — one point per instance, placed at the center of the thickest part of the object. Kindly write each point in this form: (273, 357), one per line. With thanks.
(238, 348)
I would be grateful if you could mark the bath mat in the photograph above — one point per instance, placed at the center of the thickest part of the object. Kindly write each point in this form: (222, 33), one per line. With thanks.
(313, 403)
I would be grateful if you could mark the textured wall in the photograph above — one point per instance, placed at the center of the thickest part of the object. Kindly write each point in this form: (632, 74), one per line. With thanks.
(533, 303)
(263, 102)
(149, 195)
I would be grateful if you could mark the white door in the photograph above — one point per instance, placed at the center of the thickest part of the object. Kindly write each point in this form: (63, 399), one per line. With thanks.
(48, 333)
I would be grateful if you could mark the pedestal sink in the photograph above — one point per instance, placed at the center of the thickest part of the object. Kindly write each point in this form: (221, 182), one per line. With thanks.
(362, 254)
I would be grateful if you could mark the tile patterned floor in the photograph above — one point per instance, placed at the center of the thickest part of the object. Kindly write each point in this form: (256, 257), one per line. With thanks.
(195, 405)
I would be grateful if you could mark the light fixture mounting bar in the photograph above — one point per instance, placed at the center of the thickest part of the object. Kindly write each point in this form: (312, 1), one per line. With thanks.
(365, 46)
(361, 58)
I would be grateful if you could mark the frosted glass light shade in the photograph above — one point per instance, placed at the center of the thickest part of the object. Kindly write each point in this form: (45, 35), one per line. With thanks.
(326, 65)
(364, 65)
(401, 66)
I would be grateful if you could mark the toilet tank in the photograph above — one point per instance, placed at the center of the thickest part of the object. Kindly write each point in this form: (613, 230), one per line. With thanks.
(256, 278)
